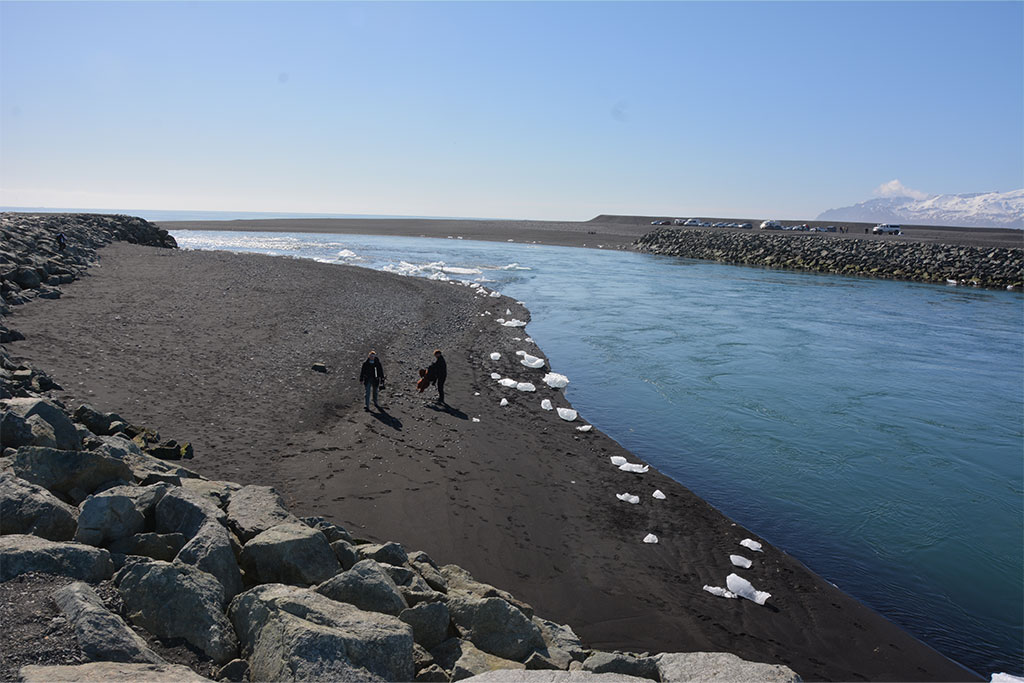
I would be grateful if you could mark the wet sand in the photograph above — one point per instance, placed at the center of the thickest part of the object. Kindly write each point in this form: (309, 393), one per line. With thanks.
(217, 348)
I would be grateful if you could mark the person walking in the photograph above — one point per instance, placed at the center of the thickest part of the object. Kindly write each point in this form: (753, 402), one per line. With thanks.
(438, 371)
(372, 377)
(62, 241)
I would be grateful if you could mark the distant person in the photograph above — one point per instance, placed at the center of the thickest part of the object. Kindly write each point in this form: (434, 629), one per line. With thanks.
(438, 373)
(865, 231)
(62, 241)
(372, 377)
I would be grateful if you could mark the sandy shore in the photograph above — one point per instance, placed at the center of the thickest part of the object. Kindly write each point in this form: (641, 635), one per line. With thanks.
(216, 348)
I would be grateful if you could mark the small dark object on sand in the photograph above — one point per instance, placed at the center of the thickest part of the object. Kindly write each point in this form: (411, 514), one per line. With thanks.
(319, 367)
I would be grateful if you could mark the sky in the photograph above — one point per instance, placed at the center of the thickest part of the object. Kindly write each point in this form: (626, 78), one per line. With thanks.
(543, 110)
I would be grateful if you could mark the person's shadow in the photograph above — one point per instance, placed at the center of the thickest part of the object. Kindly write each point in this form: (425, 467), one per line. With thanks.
(451, 410)
(386, 418)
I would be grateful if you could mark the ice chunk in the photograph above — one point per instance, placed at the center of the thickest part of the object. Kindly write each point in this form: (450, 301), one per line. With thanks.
(494, 295)
(634, 467)
(504, 402)
(555, 380)
(526, 386)
(618, 460)
(720, 592)
(658, 494)
(650, 538)
(584, 428)
(532, 361)
(476, 419)
(495, 375)
(1003, 677)
(499, 320)
(508, 382)
(744, 589)
(753, 545)
(740, 561)
(347, 253)
(508, 311)
(628, 498)
(514, 323)
(567, 414)
(495, 355)
(546, 404)
(529, 339)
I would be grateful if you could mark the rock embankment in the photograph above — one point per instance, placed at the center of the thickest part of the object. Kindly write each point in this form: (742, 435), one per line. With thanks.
(996, 267)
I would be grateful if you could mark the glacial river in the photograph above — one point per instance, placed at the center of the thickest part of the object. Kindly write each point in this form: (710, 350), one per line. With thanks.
(873, 429)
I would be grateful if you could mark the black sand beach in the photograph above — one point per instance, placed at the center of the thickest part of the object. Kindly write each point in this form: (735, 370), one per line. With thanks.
(221, 346)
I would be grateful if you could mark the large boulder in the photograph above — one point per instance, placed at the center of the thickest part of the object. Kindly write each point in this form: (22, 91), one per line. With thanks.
(185, 512)
(117, 513)
(20, 554)
(464, 660)
(63, 429)
(458, 579)
(552, 677)
(217, 491)
(430, 622)
(429, 570)
(101, 634)
(290, 633)
(176, 600)
(385, 553)
(676, 667)
(109, 672)
(495, 625)
(618, 663)
(254, 509)
(29, 509)
(15, 431)
(290, 553)
(97, 422)
(156, 546)
(367, 586)
(145, 468)
(74, 474)
(211, 550)
(562, 643)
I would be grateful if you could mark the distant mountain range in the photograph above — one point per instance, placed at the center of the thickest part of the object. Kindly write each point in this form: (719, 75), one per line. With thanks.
(977, 210)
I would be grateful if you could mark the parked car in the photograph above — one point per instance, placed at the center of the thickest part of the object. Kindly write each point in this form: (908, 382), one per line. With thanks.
(661, 223)
(692, 222)
(771, 225)
(886, 229)
(746, 226)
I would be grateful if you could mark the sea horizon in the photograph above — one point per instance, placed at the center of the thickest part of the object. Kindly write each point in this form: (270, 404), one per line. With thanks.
(171, 215)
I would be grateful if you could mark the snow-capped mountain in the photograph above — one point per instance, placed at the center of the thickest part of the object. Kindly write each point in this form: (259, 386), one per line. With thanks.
(978, 210)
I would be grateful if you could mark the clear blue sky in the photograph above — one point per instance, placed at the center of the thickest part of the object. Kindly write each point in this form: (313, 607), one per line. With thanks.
(512, 110)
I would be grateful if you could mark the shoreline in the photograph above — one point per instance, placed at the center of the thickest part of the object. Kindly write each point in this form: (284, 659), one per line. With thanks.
(588, 568)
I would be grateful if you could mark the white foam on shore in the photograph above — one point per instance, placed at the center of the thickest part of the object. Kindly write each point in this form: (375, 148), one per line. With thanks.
(348, 254)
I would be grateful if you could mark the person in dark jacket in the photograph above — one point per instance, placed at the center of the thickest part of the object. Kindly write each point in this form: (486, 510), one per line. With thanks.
(438, 372)
(62, 241)
(372, 376)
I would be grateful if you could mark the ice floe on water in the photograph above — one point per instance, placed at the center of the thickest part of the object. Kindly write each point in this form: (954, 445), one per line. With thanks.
(618, 460)
(584, 428)
(568, 414)
(495, 375)
(658, 494)
(546, 404)
(720, 592)
(744, 589)
(555, 380)
(504, 402)
(634, 467)
(349, 255)
(650, 538)
(495, 356)
(740, 561)
(531, 361)
(752, 544)
(628, 498)
(526, 386)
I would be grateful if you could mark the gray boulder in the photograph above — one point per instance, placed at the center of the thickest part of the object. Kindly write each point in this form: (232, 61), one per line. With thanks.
(96, 422)
(20, 554)
(211, 550)
(29, 509)
(367, 586)
(495, 626)
(563, 645)
(145, 468)
(74, 474)
(63, 429)
(464, 660)
(110, 672)
(185, 512)
(332, 531)
(429, 570)
(175, 600)
(385, 553)
(14, 430)
(290, 633)
(617, 663)
(254, 509)
(458, 579)
(101, 634)
(429, 622)
(117, 513)
(346, 553)
(675, 667)
(289, 553)
(431, 673)
(156, 546)
(552, 677)
(217, 491)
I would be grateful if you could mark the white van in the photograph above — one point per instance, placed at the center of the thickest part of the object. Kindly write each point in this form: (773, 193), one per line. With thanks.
(771, 225)
(887, 229)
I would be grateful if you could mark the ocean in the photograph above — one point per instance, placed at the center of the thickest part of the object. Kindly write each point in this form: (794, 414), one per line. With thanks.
(873, 429)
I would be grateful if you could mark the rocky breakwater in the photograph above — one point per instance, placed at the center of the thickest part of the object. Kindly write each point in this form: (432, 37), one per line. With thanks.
(894, 258)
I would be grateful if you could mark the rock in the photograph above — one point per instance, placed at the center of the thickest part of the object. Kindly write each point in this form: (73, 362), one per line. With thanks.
(20, 554)
(458, 579)
(42, 432)
(675, 667)
(254, 509)
(176, 600)
(235, 670)
(289, 553)
(218, 491)
(27, 278)
(110, 672)
(97, 422)
(211, 550)
(430, 572)
(367, 586)
(561, 642)
(385, 553)
(14, 430)
(71, 473)
(101, 634)
(539, 662)
(63, 429)
(156, 546)
(330, 530)
(290, 633)
(609, 662)
(495, 626)
(182, 511)
(429, 622)
(29, 509)
(345, 553)
(172, 450)
(464, 660)
(432, 674)
(117, 513)
(539, 676)
(319, 367)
